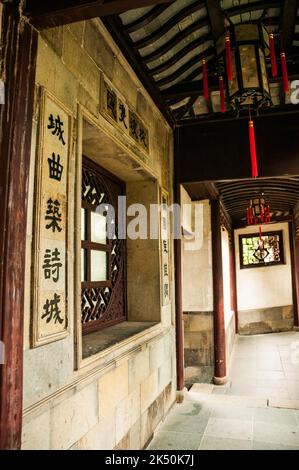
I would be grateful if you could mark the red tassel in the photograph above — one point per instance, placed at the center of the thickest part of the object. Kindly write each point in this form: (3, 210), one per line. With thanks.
(254, 171)
(222, 99)
(229, 64)
(260, 233)
(284, 72)
(262, 214)
(250, 216)
(273, 57)
(205, 81)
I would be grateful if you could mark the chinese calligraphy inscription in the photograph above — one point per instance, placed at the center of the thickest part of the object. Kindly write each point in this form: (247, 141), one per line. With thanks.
(50, 299)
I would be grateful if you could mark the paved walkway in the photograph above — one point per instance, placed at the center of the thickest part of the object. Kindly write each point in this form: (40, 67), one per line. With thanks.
(257, 409)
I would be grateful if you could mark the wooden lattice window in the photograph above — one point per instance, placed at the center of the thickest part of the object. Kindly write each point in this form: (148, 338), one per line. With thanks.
(254, 253)
(102, 260)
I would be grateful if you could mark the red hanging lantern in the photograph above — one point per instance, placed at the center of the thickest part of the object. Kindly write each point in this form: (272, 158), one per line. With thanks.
(272, 54)
(254, 170)
(229, 64)
(205, 81)
(222, 98)
(258, 213)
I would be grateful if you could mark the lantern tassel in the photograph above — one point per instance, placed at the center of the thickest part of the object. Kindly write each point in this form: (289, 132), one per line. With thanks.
(222, 99)
(284, 73)
(260, 233)
(272, 54)
(205, 81)
(254, 170)
(229, 64)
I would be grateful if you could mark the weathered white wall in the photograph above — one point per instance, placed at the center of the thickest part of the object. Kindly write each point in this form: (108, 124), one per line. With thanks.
(119, 399)
(197, 279)
(264, 287)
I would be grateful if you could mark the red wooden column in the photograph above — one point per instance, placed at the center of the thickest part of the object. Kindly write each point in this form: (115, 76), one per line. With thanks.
(219, 325)
(18, 57)
(179, 320)
(233, 282)
(294, 250)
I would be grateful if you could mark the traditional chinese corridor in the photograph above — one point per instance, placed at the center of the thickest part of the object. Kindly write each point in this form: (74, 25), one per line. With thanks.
(149, 225)
(258, 409)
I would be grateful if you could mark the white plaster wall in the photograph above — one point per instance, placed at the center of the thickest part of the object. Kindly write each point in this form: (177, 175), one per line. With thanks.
(197, 280)
(264, 287)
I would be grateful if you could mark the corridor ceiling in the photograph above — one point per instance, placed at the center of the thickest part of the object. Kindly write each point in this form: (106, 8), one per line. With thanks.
(166, 43)
(281, 193)
(166, 40)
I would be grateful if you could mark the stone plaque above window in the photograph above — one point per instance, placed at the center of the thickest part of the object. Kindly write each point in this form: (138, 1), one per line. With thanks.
(115, 109)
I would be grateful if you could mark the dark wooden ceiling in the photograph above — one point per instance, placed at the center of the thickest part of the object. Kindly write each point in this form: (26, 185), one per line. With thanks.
(166, 40)
(166, 43)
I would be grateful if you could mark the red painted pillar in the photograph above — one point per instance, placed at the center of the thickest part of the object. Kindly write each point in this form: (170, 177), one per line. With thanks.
(233, 282)
(18, 58)
(219, 325)
(294, 250)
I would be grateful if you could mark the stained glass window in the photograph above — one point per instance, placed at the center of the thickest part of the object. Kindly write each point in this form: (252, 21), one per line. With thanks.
(266, 252)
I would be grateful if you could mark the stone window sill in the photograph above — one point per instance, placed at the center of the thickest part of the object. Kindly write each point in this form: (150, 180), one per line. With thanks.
(102, 342)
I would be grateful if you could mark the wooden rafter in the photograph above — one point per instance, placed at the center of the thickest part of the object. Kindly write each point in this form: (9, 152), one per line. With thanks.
(176, 40)
(50, 13)
(216, 17)
(145, 19)
(182, 53)
(179, 71)
(288, 20)
(165, 28)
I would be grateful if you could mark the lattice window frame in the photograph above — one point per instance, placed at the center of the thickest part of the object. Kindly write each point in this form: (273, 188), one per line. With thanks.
(103, 303)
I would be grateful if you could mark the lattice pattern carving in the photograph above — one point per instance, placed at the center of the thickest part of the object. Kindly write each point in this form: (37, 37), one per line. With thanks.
(104, 306)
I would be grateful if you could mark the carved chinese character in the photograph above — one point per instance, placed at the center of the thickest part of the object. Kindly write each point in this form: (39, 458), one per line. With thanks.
(134, 127)
(53, 214)
(112, 103)
(165, 270)
(166, 291)
(56, 125)
(52, 264)
(55, 168)
(52, 311)
(165, 247)
(143, 136)
(123, 114)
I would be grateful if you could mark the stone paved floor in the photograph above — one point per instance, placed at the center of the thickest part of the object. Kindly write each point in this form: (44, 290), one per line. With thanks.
(257, 409)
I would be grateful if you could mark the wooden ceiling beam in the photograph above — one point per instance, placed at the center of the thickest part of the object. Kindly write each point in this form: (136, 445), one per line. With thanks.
(216, 17)
(158, 53)
(179, 71)
(145, 19)
(166, 27)
(49, 13)
(181, 54)
(288, 20)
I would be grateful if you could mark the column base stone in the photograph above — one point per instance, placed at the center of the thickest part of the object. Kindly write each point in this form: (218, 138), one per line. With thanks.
(220, 380)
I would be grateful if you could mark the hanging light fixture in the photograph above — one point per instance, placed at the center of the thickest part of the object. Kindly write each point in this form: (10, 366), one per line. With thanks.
(243, 52)
(258, 213)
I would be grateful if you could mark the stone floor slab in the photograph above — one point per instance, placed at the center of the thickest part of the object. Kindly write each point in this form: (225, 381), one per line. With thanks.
(276, 433)
(175, 441)
(275, 415)
(218, 443)
(229, 428)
